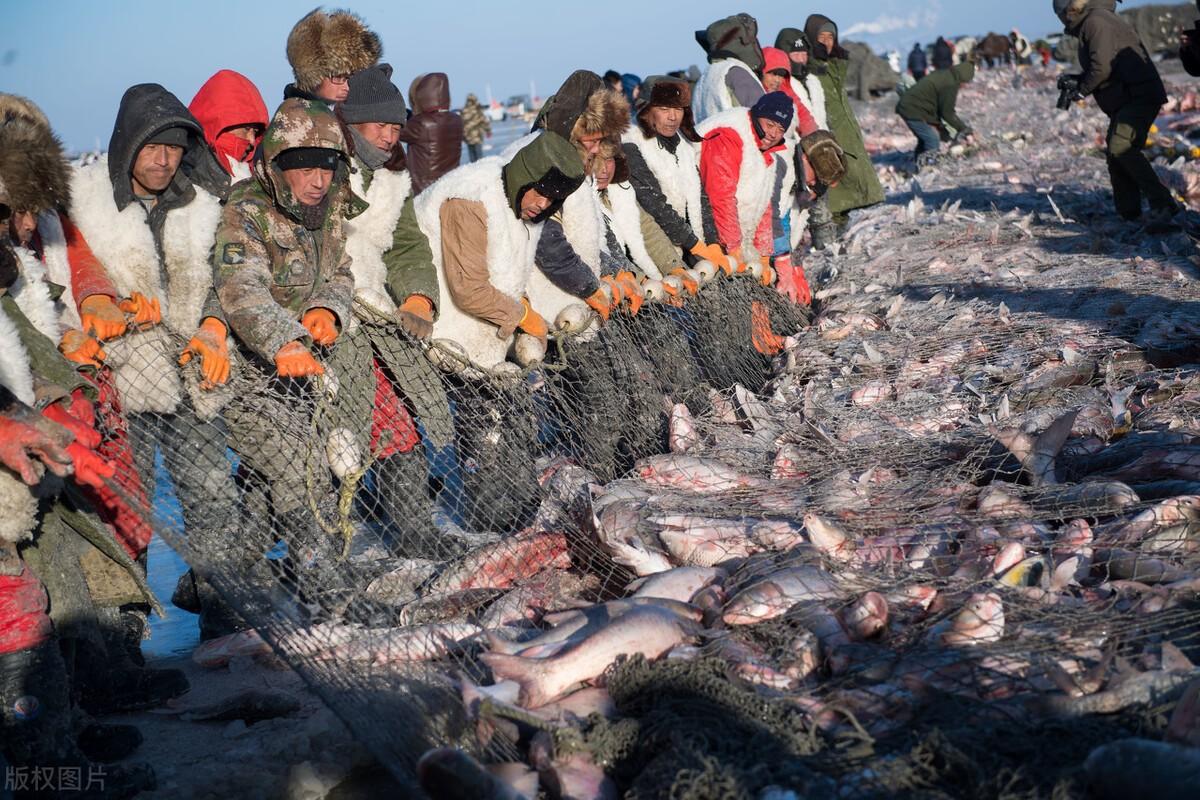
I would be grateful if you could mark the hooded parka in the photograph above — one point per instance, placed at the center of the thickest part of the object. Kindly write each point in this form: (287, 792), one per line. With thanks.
(860, 187)
(434, 133)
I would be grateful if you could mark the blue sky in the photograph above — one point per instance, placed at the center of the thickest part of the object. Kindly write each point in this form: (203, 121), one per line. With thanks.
(76, 58)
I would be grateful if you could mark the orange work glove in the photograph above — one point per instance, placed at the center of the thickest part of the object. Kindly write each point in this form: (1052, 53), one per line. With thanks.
(792, 283)
(713, 253)
(77, 346)
(209, 343)
(765, 340)
(689, 283)
(27, 437)
(632, 289)
(618, 292)
(145, 311)
(415, 316)
(90, 466)
(735, 258)
(533, 324)
(294, 361)
(101, 317)
(321, 324)
(598, 301)
(768, 274)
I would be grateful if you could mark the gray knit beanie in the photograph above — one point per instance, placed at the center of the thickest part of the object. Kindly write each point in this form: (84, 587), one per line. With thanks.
(373, 97)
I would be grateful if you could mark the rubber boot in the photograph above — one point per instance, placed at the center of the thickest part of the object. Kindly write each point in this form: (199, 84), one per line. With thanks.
(311, 573)
(114, 679)
(107, 743)
(402, 482)
(36, 734)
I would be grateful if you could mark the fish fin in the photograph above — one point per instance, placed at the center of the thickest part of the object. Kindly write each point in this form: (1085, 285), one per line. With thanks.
(1016, 441)
(1174, 660)
(1040, 465)
(636, 584)
(526, 672)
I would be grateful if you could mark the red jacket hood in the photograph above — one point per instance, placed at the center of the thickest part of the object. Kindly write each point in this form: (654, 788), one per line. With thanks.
(430, 92)
(774, 58)
(227, 100)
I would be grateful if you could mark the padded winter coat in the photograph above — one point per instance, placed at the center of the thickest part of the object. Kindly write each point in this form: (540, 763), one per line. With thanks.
(434, 133)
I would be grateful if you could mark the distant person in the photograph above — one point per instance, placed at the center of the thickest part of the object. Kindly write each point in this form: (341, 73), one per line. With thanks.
(629, 87)
(1118, 72)
(928, 108)
(1189, 47)
(476, 126)
(434, 134)
(325, 49)
(943, 54)
(735, 61)
(613, 79)
(918, 64)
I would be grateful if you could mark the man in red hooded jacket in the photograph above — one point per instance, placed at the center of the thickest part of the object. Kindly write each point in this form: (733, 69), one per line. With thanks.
(233, 115)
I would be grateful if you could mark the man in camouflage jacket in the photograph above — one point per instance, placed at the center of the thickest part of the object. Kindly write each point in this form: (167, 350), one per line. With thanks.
(283, 277)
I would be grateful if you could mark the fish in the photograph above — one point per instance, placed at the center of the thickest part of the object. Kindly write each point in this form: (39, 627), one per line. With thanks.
(501, 565)
(646, 631)
(398, 645)
(218, 652)
(682, 436)
(617, 530)
(866, 617)
(980, 621)
(680, 583)
(693, 474)
(829, 538)
(774, 594)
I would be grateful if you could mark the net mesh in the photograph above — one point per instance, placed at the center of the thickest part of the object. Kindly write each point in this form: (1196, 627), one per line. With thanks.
(942, 533)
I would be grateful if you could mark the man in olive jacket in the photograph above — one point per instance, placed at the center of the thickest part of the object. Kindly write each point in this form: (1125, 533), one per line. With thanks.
(1118, 72)
(928, 108)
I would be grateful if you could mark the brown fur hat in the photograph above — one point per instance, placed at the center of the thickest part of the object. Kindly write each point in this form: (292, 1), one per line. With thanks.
(322, 45)
(606, 114)
(660, 90)
(33, 168)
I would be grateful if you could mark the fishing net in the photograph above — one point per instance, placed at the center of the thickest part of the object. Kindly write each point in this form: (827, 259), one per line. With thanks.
(954, 513)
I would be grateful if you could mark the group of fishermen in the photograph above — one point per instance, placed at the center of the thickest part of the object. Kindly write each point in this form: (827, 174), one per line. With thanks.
(212, 243)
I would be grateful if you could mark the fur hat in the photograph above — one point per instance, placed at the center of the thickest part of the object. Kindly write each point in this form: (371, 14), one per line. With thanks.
(606, 114)
(35, 172)
(322, 45)
(660, 90)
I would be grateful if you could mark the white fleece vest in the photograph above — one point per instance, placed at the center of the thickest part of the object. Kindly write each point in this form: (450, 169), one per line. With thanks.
(510, 251)
(32, 295)
(144, 361)
(582, 220)
(678, 174)
(18, 506)
(756, 179)
(624, 219)
(370, 234)
(57, 264)
(712, 95)
(813, 95)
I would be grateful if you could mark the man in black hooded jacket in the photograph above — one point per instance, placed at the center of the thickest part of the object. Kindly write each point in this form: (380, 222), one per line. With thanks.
(1118, 72)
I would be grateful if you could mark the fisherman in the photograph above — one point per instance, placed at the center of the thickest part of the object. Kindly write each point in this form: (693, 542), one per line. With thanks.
(476, 126)
(1119, 73)
(918, 63)
(735, 62)
(394, 282)
(46, 430)
(929, 109)
(738, 169)
(324, 49)
(233, 115)
(483, 223)
(663, 153)
(572, 244)
(860, 187)
(434, 134)
(151, 229)
(806, 85)
(283, 276)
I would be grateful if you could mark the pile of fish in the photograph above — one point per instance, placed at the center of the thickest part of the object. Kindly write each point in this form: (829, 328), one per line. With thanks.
(976, 476)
